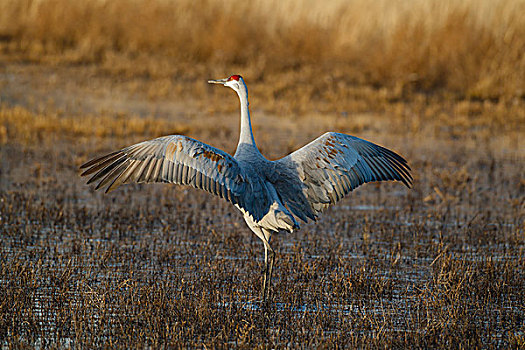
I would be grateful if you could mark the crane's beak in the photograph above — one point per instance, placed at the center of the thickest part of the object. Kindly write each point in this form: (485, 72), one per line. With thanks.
(218, 81)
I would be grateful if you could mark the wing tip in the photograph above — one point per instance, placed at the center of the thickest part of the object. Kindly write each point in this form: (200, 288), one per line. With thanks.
(408, 183)
(94, 161)
(409, 179)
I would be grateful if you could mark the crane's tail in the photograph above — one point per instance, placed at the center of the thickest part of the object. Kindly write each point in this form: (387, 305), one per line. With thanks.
(279, 219)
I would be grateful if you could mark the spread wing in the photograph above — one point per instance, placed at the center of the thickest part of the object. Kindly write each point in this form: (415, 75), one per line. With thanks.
(180, 160)
(324, 171)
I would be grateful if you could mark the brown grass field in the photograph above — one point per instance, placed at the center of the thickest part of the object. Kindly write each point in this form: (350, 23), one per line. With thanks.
(441, 265)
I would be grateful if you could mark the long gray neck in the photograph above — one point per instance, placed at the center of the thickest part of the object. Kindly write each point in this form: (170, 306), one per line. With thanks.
(246, 136)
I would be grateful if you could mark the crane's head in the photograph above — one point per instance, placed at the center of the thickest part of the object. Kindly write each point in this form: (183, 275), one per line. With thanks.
(236, 82)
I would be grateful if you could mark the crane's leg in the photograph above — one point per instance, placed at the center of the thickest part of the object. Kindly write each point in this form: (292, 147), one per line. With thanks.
(269, 258)
(272, 259)
(265, 270)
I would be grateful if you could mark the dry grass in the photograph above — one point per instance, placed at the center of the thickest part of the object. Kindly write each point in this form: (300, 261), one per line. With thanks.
(26, 127)
(472, 48)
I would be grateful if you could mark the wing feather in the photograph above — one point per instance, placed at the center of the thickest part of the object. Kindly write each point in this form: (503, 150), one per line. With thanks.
(180, 160)
(99, 160)
(324, 171)
(104, 161)
(103, 172)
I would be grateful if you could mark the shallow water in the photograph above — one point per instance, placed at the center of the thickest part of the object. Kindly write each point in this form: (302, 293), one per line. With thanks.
(395, 288)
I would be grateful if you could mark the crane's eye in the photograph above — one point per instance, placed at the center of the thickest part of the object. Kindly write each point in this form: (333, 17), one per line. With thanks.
(234, 77)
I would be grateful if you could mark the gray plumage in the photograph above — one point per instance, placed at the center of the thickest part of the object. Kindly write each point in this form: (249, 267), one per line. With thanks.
(270, 194)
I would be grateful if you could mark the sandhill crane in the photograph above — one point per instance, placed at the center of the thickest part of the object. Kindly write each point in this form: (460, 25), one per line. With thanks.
(272, 195)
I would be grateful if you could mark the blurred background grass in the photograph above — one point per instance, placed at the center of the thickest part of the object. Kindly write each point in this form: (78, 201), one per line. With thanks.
(472, 48)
